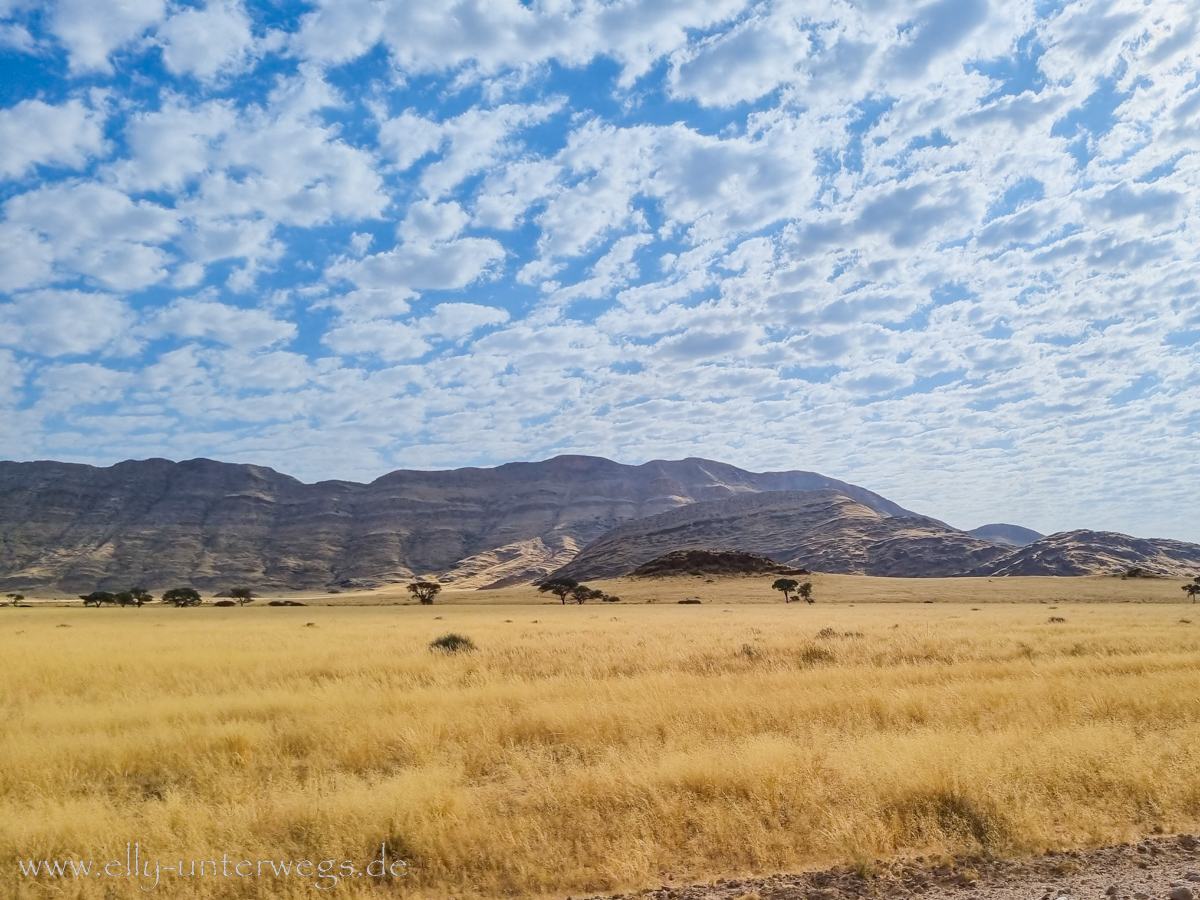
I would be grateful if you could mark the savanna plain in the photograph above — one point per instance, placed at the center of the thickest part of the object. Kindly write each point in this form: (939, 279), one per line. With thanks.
(597, 748)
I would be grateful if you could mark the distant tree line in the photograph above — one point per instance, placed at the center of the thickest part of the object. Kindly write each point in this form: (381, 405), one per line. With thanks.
(562, 588)
(179, 597)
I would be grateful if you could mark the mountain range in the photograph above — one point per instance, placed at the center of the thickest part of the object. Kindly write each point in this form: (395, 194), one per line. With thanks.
(71, 527)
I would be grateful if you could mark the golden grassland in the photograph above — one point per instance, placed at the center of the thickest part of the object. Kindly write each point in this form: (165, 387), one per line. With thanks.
(587, 749)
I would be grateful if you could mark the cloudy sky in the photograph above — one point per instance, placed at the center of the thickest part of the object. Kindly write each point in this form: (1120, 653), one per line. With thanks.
(946, 250)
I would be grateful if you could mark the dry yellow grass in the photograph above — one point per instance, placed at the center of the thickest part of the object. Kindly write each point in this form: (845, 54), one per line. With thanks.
(596, 748)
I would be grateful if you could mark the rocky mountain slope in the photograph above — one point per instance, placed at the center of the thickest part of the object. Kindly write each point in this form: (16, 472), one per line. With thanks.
(825, 531)
(1097, 553)
(156, 523)
(159, 523)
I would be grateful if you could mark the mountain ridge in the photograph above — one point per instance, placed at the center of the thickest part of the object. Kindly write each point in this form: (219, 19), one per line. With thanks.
(75, 527)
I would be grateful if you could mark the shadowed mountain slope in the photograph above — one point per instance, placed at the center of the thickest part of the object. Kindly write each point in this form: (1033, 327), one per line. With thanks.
(210, 524)
(1006, 535)
(825, 531)
(1097, 553)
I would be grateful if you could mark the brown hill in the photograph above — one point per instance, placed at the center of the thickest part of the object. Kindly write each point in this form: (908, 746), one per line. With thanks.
(1097, 553)
(824, 531)
(212, 525)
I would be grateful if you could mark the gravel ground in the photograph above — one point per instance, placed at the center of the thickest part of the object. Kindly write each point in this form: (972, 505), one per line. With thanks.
(1160, 868)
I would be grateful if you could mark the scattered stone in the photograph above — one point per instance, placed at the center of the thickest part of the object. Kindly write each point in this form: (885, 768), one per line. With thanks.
(1187, 842)
(1140, 895)
(1179, 892)
(1111, 890)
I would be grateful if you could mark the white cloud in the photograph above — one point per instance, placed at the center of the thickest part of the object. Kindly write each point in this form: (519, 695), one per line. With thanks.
(35, 133)
(427, 222)
(741, 64)
(456, 320)
(97, 232)
(390, 340)
(408, 137)
(92, 31)
(12, 378)
(62, 323)
(25, 259)
(474, 141)
(206, 42)
(508, 34)
(17, 38)
(409, 269)
(242, 329)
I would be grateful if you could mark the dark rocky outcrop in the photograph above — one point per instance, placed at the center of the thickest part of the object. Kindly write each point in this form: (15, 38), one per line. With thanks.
(711, 562)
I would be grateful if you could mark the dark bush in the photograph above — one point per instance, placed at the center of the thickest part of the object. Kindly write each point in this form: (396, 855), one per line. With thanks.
(224, 603)
(452, 643)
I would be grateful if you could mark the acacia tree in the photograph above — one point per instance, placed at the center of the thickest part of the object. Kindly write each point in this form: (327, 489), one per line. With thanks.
(1193, 589)
(786, 585)
(97, 598)
(559, 587)
(804, 591)
(184, 596)
(425, 591)
(581, 593)
(242, 595)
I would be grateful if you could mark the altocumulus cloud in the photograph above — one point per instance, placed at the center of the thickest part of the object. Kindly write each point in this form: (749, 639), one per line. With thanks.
(943, 249)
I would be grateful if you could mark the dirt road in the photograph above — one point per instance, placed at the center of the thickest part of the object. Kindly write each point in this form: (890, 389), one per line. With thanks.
(1160, 868)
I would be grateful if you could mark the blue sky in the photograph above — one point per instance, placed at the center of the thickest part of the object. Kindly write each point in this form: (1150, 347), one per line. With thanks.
(944, 250)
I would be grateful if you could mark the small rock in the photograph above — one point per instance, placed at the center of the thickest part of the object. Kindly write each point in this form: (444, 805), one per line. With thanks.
(1140, 895)
(1192, 876)
(1111, 890)
(1187, 842)
(1181, 893)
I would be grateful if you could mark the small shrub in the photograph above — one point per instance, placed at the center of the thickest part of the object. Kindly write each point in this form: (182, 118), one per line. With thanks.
(816, 656)
(1057, 619)
(452, 643)
(827, 633)
(690, 600)
(224, 603)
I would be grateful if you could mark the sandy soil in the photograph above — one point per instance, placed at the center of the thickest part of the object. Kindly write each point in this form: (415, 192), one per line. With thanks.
(1161, 868)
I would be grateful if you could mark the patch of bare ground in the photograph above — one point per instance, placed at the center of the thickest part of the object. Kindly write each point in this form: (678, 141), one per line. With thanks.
(1160, 868)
